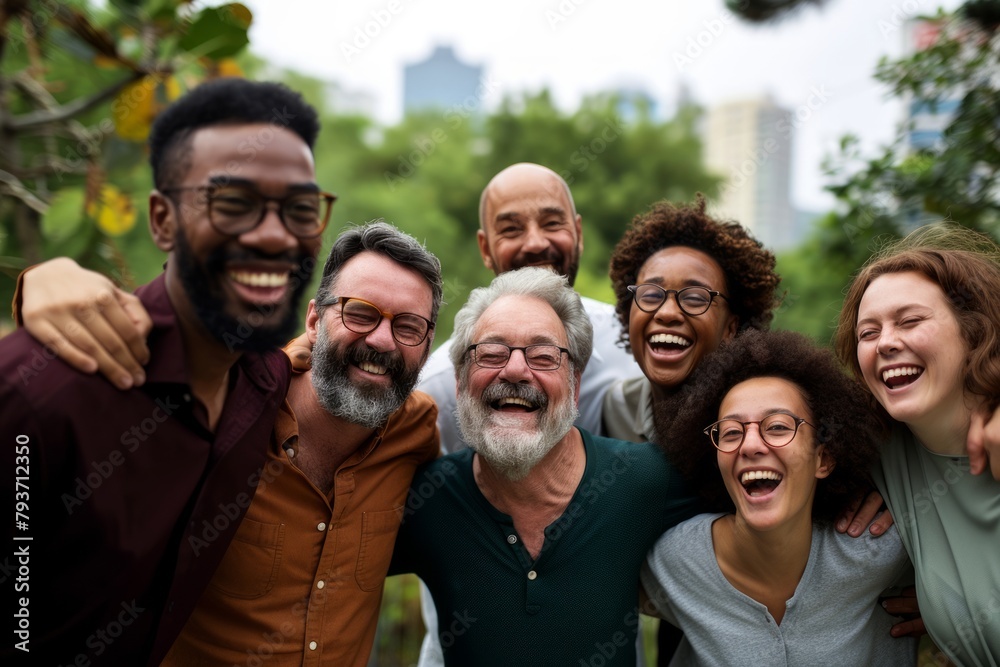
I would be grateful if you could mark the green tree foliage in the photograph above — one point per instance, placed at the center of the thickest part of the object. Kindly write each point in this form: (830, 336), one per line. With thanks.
(79, 88)
(882, 197)
(80, 180)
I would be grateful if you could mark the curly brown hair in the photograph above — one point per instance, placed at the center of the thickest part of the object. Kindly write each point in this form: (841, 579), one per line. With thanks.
(966, 266)
(847, 428)
(748, 267)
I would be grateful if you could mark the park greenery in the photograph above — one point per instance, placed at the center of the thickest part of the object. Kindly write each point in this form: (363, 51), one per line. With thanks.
(80, 85)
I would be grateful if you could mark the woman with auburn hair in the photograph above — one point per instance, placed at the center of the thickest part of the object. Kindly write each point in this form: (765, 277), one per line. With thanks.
(767, 580)
(920, 327)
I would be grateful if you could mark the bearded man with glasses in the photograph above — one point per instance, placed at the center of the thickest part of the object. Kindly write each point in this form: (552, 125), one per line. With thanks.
(136, 494)
(531, 540)
(302, 581)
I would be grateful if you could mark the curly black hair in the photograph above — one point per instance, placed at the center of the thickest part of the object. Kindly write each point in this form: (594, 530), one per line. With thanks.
(848, 429)
(220, 102)
(748, 267)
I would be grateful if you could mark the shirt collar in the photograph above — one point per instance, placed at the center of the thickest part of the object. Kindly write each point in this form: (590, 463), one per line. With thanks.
(166, 344)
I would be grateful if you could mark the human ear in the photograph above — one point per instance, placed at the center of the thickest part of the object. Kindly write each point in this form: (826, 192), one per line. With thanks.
(824, 463)
(162, 221)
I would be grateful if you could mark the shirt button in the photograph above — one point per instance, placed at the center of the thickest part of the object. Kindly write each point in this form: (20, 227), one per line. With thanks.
(532, 575)
(512, 539)
(290, 452)
(312, 646)
(320, 584)
(321, 526)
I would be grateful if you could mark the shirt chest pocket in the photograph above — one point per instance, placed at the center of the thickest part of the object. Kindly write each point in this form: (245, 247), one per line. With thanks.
(250, 566)
(378, 536)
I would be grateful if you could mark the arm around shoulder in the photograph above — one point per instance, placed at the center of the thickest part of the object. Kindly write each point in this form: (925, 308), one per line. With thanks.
(88, 321)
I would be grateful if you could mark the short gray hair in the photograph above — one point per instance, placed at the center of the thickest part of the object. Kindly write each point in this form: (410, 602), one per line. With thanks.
(537, 282)
(380, 237)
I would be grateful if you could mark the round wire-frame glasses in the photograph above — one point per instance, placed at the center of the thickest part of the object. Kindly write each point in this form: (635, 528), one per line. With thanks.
(776, 430)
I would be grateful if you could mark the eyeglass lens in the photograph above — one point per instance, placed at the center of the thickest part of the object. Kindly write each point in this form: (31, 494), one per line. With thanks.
(538, 357)
(691, 300)
(776, 430)
(236, 210)
(362, 317)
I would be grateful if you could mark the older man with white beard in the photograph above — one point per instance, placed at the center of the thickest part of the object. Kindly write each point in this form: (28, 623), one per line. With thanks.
(531, 541)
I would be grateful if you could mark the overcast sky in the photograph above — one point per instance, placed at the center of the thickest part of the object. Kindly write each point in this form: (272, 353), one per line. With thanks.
(819, 61)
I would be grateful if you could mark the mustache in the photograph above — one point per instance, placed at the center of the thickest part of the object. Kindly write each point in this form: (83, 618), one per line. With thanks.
(496, 392)
(550, 256)
(224, 254)
(361, 353)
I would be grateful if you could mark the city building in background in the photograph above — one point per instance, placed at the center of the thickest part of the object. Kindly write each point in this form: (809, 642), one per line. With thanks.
(442, 81)
(749, 143)
(925, 122)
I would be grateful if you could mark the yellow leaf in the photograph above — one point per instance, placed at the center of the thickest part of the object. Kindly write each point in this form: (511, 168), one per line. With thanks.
(113, 211)
(172, 87)
(104, 62)
(240, 14)
(229, 67)
(135, 108)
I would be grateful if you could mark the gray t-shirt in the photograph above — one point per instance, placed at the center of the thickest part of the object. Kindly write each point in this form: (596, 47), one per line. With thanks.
(832, 619)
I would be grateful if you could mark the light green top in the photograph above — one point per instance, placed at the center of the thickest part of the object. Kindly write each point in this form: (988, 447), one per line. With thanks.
(949, 521)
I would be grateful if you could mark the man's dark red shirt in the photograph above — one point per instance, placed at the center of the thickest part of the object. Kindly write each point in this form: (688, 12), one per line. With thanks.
(131, 501)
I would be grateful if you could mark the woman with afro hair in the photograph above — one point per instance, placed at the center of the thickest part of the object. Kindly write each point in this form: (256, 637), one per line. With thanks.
(767, 580)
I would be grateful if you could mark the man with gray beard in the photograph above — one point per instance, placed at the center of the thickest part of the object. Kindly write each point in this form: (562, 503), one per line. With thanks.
(357, 403)
(531, 541)
(302, 581)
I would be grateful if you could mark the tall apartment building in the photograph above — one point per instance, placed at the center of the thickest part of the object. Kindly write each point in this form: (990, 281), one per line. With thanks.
(749, 143)
(442, 81)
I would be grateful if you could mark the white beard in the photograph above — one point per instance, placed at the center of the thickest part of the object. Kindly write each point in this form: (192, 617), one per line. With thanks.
(504, 442)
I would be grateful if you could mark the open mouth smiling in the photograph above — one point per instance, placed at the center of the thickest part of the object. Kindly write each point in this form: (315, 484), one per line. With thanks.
(374, 369)
(668, 342)
(900, 376)
(259, 279)
(760, 482)
(513, 404)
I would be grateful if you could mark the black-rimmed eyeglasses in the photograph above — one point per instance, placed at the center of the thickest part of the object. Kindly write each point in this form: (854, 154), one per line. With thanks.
(363, 317)
(538, 357)
(692, 301)
(775, 430)
(237, 209)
